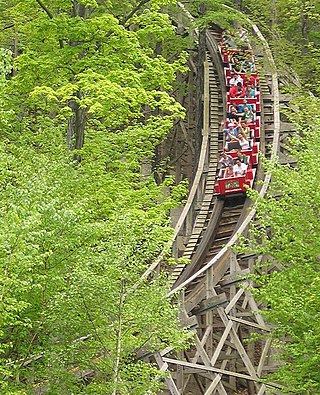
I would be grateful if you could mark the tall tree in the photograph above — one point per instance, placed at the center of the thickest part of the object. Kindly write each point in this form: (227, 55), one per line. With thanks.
(289, 235)
(81, 61)
(292, 30)
(75, 239)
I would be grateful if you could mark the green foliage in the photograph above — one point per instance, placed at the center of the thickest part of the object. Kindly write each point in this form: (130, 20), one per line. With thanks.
(76, 237)
(292, 30)
(289, 234)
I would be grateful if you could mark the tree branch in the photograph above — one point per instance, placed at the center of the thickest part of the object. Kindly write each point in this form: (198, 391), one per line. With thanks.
(119, 340)
(133, 11)
(8, 26)
(45, 9)
(50, 15)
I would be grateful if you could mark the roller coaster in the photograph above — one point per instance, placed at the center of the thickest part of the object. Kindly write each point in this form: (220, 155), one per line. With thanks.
(230, 352)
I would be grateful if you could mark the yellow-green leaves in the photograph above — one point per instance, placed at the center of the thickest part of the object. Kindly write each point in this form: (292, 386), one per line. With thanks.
(289, 233)
(75, 236)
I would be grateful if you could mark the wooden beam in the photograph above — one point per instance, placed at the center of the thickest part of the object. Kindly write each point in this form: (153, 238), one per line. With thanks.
(234, 278)
(211, 303)
(248, 323)
(195, 297)
(262, 390)
(197, 354)
(234, 300)
(221, 343)
(196, 377)
(225, 356)
(235, 339)
(203, 341)
(206, 360)
(210, 369)
(163, 365)
(254, 307)
(264, 355)
(213, 385)
(189, 322)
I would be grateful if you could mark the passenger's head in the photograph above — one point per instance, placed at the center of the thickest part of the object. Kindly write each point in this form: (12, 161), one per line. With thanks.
(240, 135)
(239, 84)
(238, 161)
(230, 165)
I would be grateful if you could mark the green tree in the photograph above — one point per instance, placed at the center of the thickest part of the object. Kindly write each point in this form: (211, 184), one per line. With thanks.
(83, 65)
(289, 234)
(292, 30)
(75, 237)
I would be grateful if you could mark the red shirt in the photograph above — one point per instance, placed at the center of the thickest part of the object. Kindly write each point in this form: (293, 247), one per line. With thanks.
(236, 92)
(252, 80)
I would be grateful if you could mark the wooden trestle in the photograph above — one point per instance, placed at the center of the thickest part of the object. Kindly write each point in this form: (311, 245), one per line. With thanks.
(230, 353)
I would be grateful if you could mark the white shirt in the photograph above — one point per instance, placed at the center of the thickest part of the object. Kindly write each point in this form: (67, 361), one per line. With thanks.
(244, 144)
(235, 80)
(239, 170)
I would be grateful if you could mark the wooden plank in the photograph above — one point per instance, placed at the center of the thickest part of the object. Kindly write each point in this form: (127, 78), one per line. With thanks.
(163, 365)
(210, 369)
(234, 300)
(248, 323)
(211, 303)
(235, 277)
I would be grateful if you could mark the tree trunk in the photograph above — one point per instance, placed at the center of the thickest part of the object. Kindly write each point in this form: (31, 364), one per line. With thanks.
(304, 27)
(15, 50)
(79, 10)
(76, 127)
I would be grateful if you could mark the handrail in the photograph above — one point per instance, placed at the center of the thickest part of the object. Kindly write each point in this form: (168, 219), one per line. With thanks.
(213, 50)
(196, 181)
(203, 152)
(275, 146)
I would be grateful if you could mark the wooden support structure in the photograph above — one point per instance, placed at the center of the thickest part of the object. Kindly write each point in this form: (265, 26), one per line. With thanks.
(227, 356)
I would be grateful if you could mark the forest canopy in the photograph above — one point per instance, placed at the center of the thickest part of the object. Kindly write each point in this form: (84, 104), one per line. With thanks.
(88, 91)
(86, 96)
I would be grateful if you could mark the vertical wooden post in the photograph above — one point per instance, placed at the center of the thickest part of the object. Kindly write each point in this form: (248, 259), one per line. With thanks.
(233, 269)
(209, 318)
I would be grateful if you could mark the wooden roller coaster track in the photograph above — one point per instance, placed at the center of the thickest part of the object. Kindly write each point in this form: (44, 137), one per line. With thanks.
(229, 355)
